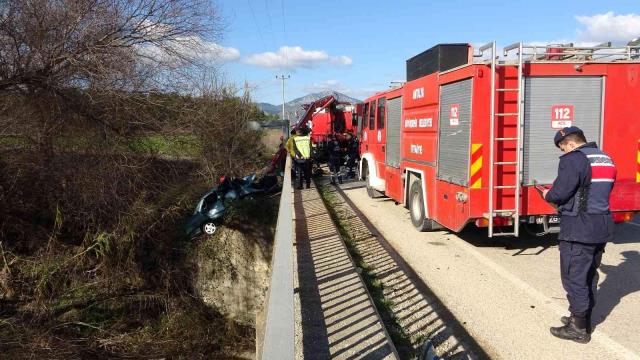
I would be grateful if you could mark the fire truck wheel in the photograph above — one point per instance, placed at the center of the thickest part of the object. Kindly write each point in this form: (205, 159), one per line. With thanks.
(416, 208)
(365, 174)
(370, 191)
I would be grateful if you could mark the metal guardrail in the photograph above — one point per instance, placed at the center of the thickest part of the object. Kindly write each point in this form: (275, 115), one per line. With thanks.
(279, 336)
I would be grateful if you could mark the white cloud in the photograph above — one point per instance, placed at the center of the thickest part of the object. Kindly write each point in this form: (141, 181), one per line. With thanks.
(194, 48)
(197, 48)
(609, 27)
(291, 57)
(341, 60)
(166, 45)
(594, 30)
(188, 49)
(216, 52)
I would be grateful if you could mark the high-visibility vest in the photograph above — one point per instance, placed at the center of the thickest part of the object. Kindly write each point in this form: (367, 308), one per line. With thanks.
(289, 146)
(302, 145)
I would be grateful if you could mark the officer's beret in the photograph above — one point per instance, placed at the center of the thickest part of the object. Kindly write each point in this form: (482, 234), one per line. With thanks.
(561, 134)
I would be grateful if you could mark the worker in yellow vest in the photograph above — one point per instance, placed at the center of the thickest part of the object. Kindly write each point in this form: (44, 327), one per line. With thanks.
(289, 144)
(301, 146)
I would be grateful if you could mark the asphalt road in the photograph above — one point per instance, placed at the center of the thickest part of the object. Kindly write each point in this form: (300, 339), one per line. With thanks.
(506, 293)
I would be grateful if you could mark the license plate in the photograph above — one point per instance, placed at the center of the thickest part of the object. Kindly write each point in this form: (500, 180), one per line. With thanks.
(554, 219)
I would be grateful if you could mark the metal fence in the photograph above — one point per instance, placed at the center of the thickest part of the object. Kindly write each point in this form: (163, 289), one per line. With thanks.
(279, 334)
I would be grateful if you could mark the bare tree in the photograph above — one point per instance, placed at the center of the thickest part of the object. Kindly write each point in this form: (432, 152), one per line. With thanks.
(82, 55)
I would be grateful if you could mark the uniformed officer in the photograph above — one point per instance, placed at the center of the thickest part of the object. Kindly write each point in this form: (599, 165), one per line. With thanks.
(334, 154)
(353, 153)
(581, 191)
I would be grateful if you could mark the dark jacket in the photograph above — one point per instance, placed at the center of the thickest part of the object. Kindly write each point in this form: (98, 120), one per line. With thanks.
(574, 178)
(353, 148)
(334, 152)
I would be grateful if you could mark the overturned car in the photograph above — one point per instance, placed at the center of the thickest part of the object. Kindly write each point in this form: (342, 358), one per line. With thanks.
(211, 208)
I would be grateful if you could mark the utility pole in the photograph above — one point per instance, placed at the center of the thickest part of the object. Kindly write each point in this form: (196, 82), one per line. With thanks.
(283, 78)
(286, 124)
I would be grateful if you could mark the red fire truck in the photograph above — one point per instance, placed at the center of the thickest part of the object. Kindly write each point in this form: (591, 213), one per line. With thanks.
(336, 119)
(467, 136)
(327, 116)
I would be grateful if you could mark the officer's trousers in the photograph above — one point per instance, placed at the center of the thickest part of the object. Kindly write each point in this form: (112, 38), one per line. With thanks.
(579, 264)
(351, 164)
(303, 171)
(335, 164)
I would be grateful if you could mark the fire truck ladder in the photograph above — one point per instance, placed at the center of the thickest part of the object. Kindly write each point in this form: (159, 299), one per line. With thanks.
(493, 164)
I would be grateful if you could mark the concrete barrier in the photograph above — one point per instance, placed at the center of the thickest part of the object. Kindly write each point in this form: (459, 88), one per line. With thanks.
(279, 334)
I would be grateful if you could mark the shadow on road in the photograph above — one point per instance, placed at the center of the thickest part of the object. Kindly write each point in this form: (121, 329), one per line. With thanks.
(415, 307)
(621, 280)
(337, 317)
(625, 233)
(478, 237)
(628, 233)
(314, 330)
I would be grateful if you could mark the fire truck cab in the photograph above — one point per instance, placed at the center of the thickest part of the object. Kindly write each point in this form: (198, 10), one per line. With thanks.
(330, 118)
(467, 136)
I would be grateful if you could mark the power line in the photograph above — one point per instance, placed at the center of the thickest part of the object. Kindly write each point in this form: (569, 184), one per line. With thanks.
(284, 22)
(273, 37)
(284, 30)
(264, 45)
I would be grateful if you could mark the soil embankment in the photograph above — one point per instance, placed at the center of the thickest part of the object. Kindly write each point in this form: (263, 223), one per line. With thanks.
(94, 263)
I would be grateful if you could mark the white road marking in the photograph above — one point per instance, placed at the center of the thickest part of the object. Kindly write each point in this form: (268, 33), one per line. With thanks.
(598, 336)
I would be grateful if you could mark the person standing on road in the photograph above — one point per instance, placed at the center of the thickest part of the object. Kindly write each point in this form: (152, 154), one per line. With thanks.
(353, 153)
(302, 157)
(289, 144)
(581, 191)
(334, 154)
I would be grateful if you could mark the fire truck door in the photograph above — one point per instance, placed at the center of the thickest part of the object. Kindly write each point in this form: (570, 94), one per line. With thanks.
(381, 136)
(368, 132)
(454, 135)
(551, 103)
(358, 116)
(363, 126)
(394, 118)
(453, 151)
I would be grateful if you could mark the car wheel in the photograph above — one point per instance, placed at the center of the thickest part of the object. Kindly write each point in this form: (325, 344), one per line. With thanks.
(209, 228)
(416, 208)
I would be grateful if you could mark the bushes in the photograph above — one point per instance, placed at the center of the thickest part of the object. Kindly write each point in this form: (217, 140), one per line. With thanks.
(96, 262)
(105, 143)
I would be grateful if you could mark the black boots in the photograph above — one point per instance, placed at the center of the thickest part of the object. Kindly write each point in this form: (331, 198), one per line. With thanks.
(574, 329)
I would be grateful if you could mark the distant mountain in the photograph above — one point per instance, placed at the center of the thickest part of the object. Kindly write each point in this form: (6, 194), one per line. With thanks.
(270, 108)
(293, 109)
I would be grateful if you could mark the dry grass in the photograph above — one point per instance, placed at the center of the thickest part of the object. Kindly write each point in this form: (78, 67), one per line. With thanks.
(123, 289)
(271, 138)
(93, 260)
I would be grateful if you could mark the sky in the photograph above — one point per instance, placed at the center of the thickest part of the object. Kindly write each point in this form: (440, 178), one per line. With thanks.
(359, 47)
